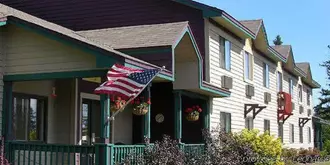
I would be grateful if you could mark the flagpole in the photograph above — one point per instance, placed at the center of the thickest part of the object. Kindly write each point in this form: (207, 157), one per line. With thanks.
(113, 115)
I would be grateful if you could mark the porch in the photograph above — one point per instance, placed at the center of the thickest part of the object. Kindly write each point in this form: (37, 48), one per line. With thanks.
(60, 121)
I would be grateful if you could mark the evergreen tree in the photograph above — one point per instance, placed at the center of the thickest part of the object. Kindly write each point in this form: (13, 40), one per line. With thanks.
(323, 108)
(278, 40)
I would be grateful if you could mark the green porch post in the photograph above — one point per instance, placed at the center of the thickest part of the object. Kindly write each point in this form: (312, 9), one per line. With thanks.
(7, 110)
(206, 115)
(146, 126)
(178, 115)
(105, 154)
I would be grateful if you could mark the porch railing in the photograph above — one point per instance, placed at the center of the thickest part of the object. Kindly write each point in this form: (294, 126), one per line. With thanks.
(23, 153)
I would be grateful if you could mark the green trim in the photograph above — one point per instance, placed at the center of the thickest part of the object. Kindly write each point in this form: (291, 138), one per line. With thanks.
(147, 118)
(161, 75)
(3, 23)
(55, 75)
(178, 115)
(231, 22)
(193, 95)
(146, 50)
(103, 116)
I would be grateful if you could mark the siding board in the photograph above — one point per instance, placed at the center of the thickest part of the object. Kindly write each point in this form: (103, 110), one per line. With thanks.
(28, 52)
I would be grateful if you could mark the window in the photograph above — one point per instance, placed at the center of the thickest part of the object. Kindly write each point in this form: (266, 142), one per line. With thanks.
(28, 117)
(266, 75)
(225, 48)
(309, 134)
(249, 123)
(267, 126)
(300, 93)
(291, 131)
(280, 131)
(279, 82)
(291, 87)
(248, 66)
(308, 97)
(301, 135)
(225, 122)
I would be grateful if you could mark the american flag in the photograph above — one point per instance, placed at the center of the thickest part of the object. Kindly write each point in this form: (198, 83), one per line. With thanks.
(126, 82)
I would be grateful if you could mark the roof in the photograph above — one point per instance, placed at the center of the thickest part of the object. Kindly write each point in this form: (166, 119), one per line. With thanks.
(284, 50)
(7, 12)
(138, 36)
(252, 25)
(303, 66)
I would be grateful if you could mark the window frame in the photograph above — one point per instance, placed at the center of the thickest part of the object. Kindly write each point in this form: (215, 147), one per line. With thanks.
(279, 80)
(291, 133)
(224, 53)
(44, 116)
(249, 123)
(267, 126)
(301, 134)
(248, 74)
(300, 90)
(309, 131)
(291, 87)
(227, 121)
(308, 96)
(281, 131)
(266, 75)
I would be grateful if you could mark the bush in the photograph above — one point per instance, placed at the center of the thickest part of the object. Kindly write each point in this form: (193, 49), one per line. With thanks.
(224, 149)
(266, 146)
(162, 152)
(289, 155)
(326, 146)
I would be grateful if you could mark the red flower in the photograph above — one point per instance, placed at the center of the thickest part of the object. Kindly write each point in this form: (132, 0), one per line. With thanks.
(188, 110)
(199, 110)
(197, 106)
(193, 107)
(119, 98)
(149, 102)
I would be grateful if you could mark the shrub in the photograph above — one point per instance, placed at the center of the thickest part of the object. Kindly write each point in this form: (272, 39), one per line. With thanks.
(289, 155)
(223, 149)
(326, 146)
(162, 152)
(266, 146)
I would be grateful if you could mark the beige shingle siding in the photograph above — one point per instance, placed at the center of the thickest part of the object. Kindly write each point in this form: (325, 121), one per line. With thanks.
(235, 103)
(29, 52)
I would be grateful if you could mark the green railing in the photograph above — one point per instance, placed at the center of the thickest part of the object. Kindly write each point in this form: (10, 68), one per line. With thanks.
(23, 153)
(120, 153)
(197, 149)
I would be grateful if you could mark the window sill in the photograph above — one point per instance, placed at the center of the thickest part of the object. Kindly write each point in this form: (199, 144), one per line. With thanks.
(248, 81)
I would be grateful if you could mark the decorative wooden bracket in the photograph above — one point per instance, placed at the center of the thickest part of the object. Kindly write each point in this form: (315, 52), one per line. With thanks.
(255, 107)
(282, 117)
(303, 121)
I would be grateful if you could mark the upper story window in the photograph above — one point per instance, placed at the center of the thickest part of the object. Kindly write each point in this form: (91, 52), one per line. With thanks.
(291, 87)
(308, 97)
(248, 66)
(300, 92)
(279, 82)
(225, 48)
(225, 121)
(266, 75)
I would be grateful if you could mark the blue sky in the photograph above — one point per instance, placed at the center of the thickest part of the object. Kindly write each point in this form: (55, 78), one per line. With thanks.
(301, 23)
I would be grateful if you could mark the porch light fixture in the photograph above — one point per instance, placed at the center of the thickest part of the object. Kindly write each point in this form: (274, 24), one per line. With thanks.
(53, 95)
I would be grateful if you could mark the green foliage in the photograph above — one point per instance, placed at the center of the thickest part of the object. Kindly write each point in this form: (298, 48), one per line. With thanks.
(33, 135)
(266, 146)
(326, 146)
(278, 40)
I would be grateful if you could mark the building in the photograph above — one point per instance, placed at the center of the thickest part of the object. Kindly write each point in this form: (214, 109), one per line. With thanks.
(225, 65)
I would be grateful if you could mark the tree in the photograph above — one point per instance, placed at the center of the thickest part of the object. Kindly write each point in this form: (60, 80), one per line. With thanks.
(278, 40)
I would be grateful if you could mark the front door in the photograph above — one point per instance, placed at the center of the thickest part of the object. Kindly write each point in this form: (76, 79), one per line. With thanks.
(90, 121)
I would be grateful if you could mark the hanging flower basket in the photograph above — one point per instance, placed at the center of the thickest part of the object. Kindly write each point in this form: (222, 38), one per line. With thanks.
(140, 107)
(193, 113)
(117, 104)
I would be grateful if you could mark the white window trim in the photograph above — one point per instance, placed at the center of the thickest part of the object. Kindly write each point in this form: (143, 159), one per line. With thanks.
(252, 67)
(279, 71)
(263, 63)
(300, 101)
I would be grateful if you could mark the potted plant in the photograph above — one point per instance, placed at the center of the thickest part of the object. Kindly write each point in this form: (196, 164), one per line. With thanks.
(141, 106)
(117, 104)
(193, 113)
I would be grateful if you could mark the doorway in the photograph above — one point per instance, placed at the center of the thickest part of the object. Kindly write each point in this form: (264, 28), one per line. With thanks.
(90, 119)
